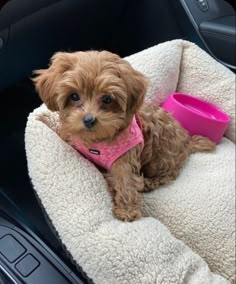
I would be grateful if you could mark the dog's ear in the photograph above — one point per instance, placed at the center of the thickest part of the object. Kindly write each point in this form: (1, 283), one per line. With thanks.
(136, 84)
(46, 79)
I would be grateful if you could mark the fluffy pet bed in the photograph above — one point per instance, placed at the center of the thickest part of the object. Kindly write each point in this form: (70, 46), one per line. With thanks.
(189, 231)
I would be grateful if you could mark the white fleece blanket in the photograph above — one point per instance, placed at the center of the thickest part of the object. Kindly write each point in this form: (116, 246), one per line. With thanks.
(197, 211)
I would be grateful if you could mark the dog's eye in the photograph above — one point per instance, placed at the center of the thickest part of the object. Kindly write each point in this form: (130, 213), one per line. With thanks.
(106, 99)
(74, 97)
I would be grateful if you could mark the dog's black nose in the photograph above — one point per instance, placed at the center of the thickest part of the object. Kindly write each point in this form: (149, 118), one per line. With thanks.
(89, 120)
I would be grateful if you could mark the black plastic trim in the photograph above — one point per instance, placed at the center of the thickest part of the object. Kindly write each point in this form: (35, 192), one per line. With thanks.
(12, 222)
(196, 26)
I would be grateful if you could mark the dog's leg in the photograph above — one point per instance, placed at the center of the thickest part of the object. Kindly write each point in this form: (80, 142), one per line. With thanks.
(125, 183)
(151, 184)
(196, 144)
(154, 182)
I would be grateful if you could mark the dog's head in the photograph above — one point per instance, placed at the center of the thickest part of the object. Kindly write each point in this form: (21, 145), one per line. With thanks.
(96, 93)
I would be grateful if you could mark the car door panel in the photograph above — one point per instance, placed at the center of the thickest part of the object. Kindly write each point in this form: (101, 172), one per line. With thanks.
(214, 20)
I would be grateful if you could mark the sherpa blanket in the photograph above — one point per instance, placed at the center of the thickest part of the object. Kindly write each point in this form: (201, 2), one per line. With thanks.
(188, 235)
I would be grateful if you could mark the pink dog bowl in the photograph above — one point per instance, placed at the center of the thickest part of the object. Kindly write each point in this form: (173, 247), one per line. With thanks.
(197, 116)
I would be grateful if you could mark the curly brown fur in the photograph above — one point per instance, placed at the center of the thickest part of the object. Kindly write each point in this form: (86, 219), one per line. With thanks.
(94, 75)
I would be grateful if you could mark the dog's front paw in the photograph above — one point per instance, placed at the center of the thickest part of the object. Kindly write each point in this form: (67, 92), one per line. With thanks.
(127, 215)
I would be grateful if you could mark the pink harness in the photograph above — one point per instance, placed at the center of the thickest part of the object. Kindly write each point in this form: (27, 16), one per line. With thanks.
(104, 155)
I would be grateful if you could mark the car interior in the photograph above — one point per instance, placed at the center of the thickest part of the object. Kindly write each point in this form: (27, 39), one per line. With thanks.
(30, 33)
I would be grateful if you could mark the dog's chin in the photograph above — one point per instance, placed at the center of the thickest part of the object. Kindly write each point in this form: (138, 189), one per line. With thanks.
(93, 135)
(106, 129)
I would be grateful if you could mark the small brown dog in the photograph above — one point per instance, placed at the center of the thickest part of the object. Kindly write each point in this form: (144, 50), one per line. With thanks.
(97, 95)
